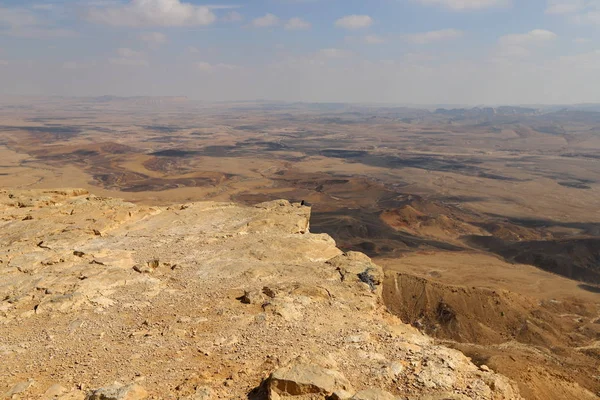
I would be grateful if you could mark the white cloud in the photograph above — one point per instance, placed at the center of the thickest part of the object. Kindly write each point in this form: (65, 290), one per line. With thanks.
(17, 17)
(511, 52)
(354, 22)
(129, 62)
(140, 13)
(334, 53)
(153, 39)
(204, 66)
(370, 39)
(297, 24)
(265, 21)
(534, 37)
(45, 7)
(418, 58)
(233, 16)
(521, 45)
(466, 4)
(588, 17)
(564, 6)
(373, 39)
(208, 67)
(24, 22)
(433, 36)
(72, 65)
(578, 11)
(590, 60)
(126, 52)
(129, 57)
(581, 40)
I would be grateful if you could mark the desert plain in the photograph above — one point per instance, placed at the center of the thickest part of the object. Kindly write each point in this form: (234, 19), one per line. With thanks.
(486, 221)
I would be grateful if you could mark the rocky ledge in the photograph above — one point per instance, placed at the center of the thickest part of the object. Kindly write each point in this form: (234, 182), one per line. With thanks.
(103, 299)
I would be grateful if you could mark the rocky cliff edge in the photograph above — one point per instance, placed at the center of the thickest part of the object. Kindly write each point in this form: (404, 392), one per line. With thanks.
(104, 299)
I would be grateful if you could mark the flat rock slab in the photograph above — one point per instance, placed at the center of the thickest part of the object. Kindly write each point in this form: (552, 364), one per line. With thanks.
(373, 394)
(300, 379)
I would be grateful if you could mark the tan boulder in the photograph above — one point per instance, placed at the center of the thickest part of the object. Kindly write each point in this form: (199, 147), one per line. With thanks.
(54, 392)
(18, 388)
(117, 391)
(357, 267)
(302, 379)
(373, 394)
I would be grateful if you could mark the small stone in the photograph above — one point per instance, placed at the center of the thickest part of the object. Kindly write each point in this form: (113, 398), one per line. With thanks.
(203, 393)
(142, 269)
(485, 368)
(269, 292)
(340, 395)
(204, 352)
(396, 368)
(19, 387)
(54, 391)
(251, 297)
(273, 395)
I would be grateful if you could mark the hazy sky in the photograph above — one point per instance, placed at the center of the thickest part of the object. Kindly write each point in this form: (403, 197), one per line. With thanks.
(387, 51)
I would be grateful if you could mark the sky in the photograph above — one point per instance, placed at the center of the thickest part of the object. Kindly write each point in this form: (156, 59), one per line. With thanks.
(361, 51)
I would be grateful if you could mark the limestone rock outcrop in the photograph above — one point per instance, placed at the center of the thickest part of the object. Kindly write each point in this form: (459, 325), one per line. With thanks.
(223, 297)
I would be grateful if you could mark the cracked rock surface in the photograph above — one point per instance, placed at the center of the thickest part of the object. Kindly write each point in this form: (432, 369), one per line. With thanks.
(202, 301)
